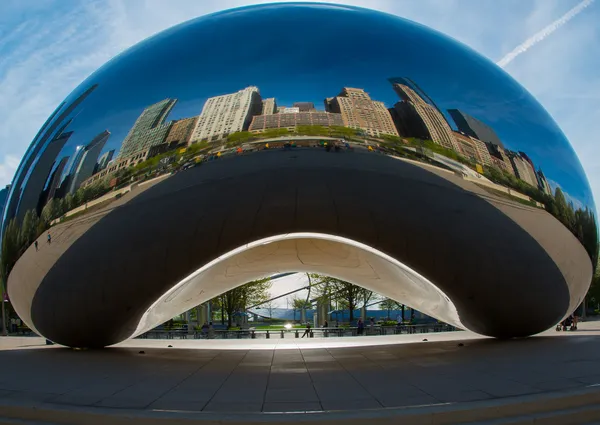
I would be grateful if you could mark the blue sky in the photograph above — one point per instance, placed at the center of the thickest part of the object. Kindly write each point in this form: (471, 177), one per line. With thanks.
(47, 49)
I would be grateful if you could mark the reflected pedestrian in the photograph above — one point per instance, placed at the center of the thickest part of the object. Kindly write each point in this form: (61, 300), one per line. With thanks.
(36, 245)
(49, 238)
(325, 325)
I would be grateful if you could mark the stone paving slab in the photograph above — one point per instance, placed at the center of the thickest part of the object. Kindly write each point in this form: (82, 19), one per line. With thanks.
(298, 376)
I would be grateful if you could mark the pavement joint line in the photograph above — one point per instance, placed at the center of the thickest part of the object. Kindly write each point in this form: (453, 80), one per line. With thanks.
(312, 382)
(262, 407)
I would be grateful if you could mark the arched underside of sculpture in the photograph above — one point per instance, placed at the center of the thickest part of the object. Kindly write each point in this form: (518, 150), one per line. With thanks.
(115, 272)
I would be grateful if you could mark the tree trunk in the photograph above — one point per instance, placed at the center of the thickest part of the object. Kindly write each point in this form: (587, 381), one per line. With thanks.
(222, 310)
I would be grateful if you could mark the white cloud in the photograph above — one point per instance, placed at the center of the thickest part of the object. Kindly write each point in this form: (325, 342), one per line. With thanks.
(545, 32)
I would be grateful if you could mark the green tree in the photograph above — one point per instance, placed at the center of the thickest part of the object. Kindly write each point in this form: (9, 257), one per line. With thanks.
(389, 305)
(236, 300)
(29, 228)
(10, 249)
(347, 294)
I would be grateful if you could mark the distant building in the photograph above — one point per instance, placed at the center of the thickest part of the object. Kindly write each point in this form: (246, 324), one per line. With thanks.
(104, 160)
(269, 106)
(359, 111)
(500, 158)
(543, 183)
(288, 110)
(473, 148)
(418, 103)
(58, 119)
(55, 180)
(87, 158)
(123, 162)
(34, 187)
(227, 114)
(181, 132)
(522, 168)
(305, 106)
(473, 127)
(292, 120)
(149, 129)
(530, 169)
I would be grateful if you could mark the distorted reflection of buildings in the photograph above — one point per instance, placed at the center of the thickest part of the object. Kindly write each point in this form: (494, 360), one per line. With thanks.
(430, 123)
(473, 149)
(292, 120)
(48, 130)
(104, 160)
(226, 114)
(288, 110)
(269, 106)
(181, 132)
(30, 198)
(305, 106)
(149, 129)
(56, 179)
(359, 111)
(473, 127)
(85, 160)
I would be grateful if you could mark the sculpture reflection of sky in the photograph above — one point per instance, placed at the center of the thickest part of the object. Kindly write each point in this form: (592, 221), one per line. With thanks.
(304, 54)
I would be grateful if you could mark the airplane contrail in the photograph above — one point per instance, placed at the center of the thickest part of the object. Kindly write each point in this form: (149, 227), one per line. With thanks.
(539, 36)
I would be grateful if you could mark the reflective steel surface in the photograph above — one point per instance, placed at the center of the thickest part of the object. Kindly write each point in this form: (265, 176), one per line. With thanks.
(297, 137)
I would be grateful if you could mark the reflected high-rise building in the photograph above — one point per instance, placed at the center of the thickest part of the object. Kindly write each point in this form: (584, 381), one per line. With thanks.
(36, 182)
(104, 159)
(473, 149)
(523, 169)
(55, 179)
(543, 183)
(86, 159)
(269, 106)
(500, 158)
(473, 127)
(305, 106)
(359, 111)
(149, 129)
(181, 131)
(292, 120)
(226, 114)
(48, 130)
(415, 102)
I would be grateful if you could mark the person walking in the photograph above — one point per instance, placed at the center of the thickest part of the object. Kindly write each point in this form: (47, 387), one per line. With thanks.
(36, 245)
(49, 238)
(306, 331)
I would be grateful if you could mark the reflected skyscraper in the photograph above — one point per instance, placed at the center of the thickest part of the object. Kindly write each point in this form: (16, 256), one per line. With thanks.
(46, 132)
(226, 114)
(269, 106)
(149, 129)
(474, 127)
(56, 179)
(359, 111)
(415, 99)
(86, 160)
(104, 160)
(305, 106)
(37, 180)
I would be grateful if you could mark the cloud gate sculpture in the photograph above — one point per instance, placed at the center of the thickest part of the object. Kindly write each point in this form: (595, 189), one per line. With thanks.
(297, 137)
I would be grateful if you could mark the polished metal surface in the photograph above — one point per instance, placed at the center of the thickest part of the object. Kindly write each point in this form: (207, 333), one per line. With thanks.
(297, 137)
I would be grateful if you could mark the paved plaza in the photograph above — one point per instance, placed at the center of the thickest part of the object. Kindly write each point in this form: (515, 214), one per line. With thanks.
(299, 375)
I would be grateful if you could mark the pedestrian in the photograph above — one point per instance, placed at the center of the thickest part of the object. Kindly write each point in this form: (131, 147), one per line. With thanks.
(36, 245)
(325, 324)
(360, 326)
(211, 330)
(49, 238)
(205, 330)
(372, 322)
(306, 331)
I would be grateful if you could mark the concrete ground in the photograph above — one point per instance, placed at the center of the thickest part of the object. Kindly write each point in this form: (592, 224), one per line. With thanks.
(299, 375)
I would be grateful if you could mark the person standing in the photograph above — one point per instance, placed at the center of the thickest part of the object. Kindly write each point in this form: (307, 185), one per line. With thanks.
(36, 245)
(49, 238)
(360, 326)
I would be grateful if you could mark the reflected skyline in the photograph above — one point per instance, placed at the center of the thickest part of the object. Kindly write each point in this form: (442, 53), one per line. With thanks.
(415, 159)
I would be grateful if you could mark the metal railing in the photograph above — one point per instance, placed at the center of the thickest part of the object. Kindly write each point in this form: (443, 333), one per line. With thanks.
(297, 332)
